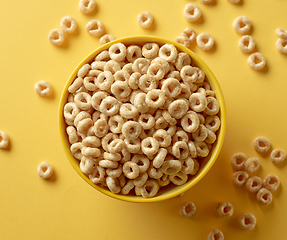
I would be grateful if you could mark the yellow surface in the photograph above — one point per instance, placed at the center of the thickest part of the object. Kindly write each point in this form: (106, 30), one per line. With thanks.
(66, 207)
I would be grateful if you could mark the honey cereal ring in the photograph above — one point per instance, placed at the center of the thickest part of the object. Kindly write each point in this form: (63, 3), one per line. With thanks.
(105, 80)
(108, 138)
(76, 150)
(179, 178)
(159, 158)
(223, 209)
(256, 61)
(281, 33)
(171, 167)
(68, 24)
(141, 179)
(112, 66)
(97, 98)
(180, 135)
(261, 144)
(178, 108)
(45, 170)
(71, 111)
(252, 164)
(131, 130)
(145, 19)
(188, 209)
(154, 173)
(142, 161)
(97, 175)
(192, 149)
(200, 76)
(128, 187)
(163, 181)
(134, 80)
(190, 166)
(112, 156)
(87, 164)
(113, 185)
(95, 28)
(165, 64)
(264, 196)
(253, 184)
(133, 52)
(234, 1)
(116, 145)
(247, 221)
(83, 71)
(150, 50)
(183, 59)
(160, 123)
(81, 116)
(56, 37)
(120, 89)
(141, 65)
(140, 103)
(83, 100)
(281, 45)
(87, 6)
(180, 150)
(204, 41)
(170, 120)
(128, 110)
(212, 107)
(101, 128)
(239, 178)
(90, 83)
(190, 34)
(183, 41)
(190, 122)
(133, 146)
(110, 106)
(237, 161)
(149, 189)
(128, 67)
(211, 136)
(242, 24)
(191, 12)
(168, 52)
(146, 120)
(246, 44)
(108, 163)
(91, 141)
(155, 98)
(149, 146)
(115, 173)
(171, 87)
(197, 102)
(84, 126)
(163, 137)
(271, 182)
(131, 170)
(188, 74)
(277, 155)
(215, 234)
(212, 123)
(156, 70)
(43, 88)
(71, 132)
(201, 148)
(106, 39)
(118, 52)
(174, 74)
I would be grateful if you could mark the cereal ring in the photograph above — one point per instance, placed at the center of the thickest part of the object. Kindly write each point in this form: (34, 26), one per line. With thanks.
(242, 24)
(238, 160)
(76, 150)
(101, 128)
(108, 163)
(103, 56)
(145, 19)
(81, 116)
(188, 74)
(149, 189)
(142, 161)
(149, 146)
(190, 122)
(95, 28)
(212, 107)
(115, 173)
(179, 178)
(211, 137)
(118, 52)
(140, 103)
(271, 182)
(223, 209)
(246, 44)
(163, 181)
(154, 173)
(91, 141)
(166, 65)
(252, 164)
(106, 39)
(247, 221)
(180, 135)
(150, 50)
(87, 6)
(98, 65)
(189, 166)
(128, 110)
(204, 41)
(163, 137)
(200, 76)
(116, 146)
(261, 144)
(146, 120)
(131, 130)
(256, 61)
(134, 80)
(170, 120)
(168, 52)
(171, 167)
(113, 185)
(45, 170)
(264, 196)
(133, 52)
(159, 158)
(171, 87)
(155, 98)
(197, 102)
(68, 24)
(191, 12)
(133, 146)
(188, 210)
(120, 89)
(180, 150)
(183, 41)
(97, 98)
(112, 66)
(105, 80)
(190, 34)
(281, 33)
(192, 149)
(97, 175)
(156, 70)
(253, 184)
(160, 123)
(128, 187)
(90, 83)
(141, 179)
(43, 88)
(178, 108)
(87, 164)
(239, 178)
(71, 111)
(71, 132)
(78, 82)
(131, 170)
(84, 126)
(277, 155)
(141, 65)
(56, 36)
(110, 106)
(201, 148)
(212, 123)
(281, 45)
(183, 59)
(215, 234)
(83, 100)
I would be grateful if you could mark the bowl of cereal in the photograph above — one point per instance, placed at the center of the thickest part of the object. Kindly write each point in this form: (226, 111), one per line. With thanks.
(142, 119)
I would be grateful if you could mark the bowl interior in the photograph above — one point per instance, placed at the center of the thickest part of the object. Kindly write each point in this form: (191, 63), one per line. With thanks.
(205, 163)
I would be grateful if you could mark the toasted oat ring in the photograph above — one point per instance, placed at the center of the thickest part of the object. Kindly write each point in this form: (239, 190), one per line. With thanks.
(112, 66)
(128, 110)
(115, 173)
(155, 98)
(90, 83)
(237, 161)
(170, 120)
(71, 111)
(116, 146)
(281, 33)
(178, 108)
(87, 164)
(223, 209)
(261, 144)
(205, 41)
(150, 50)
(156, 70)
(188, 74)
(149, 189)
(161, 123)
(183, 59)
(271, 182)
(201, 148)
(56, 36)
(131, 170)
(120, 89)
(281, 45)
(133, 52)
(171, 167)
(247, 221)
(154, 173)
(140, 103)
(127, 187)
(87, 6)
(134, 80)
(192, 149)
(163, 137)
(76, 150)
(110, 106)
(211, 136)
(145, 19)
(118, 52)
(81, 116)
(252, 164)
(180, 135)
(191, 12)
(133, 146)
(212, 123)
(113, 184)
(84, 125)
(141, 179)
(188, 210)
(91, 141)
(190, 122)
(72, 135)
(112, 156)
(97, 175)
(168, 52)
(264, 196)
(142, 161)
(183, 41)
(239, 178)
(242, 24)
(189, 166)
(149, 146)
(105, 163)
(147, 83)
(256, 61)
(212, 107)
(45, 170)
(95, 28)
(215, 234)
(277, 155)
(78, 82)
(197, 102)
(100, 128)
(180, 150)
(141, 65)
(68, 24)
(83, 100)
(131, 130)
(159, 158)
(178, 179)
(105, 80)
(171, 87)
(43, 88)
(146, 120)
(246, 44)
(253, 184)
(97, 98)
(106, 39)
(116, 123)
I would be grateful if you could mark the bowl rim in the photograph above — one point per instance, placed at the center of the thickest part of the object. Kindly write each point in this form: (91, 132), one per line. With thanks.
(211, 79)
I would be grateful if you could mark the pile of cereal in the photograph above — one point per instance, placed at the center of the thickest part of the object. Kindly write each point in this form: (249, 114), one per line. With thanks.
(141, 117)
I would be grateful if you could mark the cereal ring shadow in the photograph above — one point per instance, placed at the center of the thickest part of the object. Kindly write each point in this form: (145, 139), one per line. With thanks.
(240, 3)
(278, 192)
(268, 206)
(65, 44)
(212, 3)
(53, 178)
(152, 27)
(75, 33)
(280, 165)
(213, 49)
(199, 21)
(8, 148)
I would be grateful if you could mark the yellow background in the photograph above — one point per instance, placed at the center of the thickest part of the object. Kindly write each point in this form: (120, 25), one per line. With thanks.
(65, 207)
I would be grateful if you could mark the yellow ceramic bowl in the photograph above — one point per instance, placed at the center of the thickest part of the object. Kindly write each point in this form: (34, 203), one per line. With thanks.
(206, 163)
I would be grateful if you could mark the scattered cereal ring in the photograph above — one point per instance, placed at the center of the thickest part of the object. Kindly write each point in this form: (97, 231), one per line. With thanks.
(4, 140)
(242, 24)
(87, 6)
(68, 24)
(106, 39)
(223, 209)
(239, 178)
(238, 160)
(256, 61)
(261, 144)
(56, 36)
(191, 12)
(246, 44)
(45, 170)
(271, 182)
(247, 221)
(281, 45)
(95, 28)
(234, 1)
(264, 196)
(188, 210)
(277, 155)
(145, 19)
(43, 88)
(205, 41)
(252, 164)
(281, 33)
(206, 1)
(253, 184)
(215, 234)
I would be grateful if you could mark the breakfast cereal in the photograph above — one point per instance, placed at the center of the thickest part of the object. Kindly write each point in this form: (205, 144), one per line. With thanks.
(246, 44)
(271, 182)
(223, 209)
(87, 6)
(253, 184)
(252, 164)
(43, 88)
(145, 19)
(277, 155)
(281, 45)
(247, 221)
(95, 28)
(215, 234)
(191, 12)
(264, 196)
(188, 209)
(239, 178)
(242, 24)
(256, 61)
(106, 38)
(205, 41)
(68, 24)
(45, 170)
(4, 140)
(56, 36)
(281, 33)
(261, 144)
